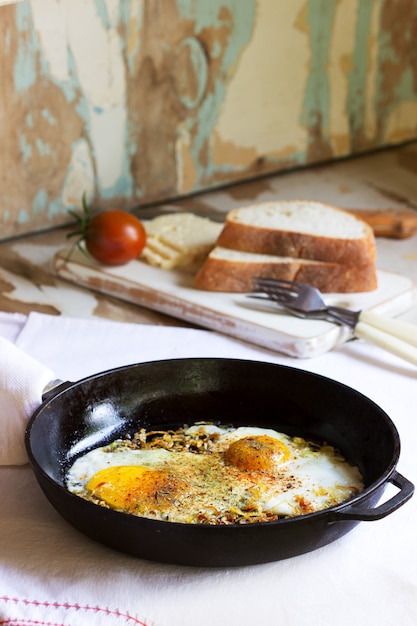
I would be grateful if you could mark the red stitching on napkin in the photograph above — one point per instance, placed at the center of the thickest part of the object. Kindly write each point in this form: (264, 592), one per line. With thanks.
(66, 606)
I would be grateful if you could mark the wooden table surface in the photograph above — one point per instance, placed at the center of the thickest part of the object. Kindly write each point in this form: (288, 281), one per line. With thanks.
(385, 179)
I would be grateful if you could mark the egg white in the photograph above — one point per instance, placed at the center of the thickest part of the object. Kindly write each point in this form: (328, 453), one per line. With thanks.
(210, 491)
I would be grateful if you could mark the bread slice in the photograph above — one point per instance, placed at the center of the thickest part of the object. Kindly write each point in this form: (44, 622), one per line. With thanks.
(179, 239)
(233, 271)
(300, 229)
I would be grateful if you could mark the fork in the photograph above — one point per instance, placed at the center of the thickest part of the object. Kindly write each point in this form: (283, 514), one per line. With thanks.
(305, 301)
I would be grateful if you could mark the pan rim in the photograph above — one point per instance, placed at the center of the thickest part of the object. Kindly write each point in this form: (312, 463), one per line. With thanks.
(65, 387)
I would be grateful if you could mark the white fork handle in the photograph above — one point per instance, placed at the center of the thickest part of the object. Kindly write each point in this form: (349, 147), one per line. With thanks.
(388, 342)
(402, 330)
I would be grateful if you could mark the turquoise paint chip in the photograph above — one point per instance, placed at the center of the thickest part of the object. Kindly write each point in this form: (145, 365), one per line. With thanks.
(23, 217)
(43, 148)
(40, 202)
(25, 148)
(55, 208)
(47, 115)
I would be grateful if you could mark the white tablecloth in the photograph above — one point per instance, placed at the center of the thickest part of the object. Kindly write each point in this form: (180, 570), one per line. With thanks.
(52, 574)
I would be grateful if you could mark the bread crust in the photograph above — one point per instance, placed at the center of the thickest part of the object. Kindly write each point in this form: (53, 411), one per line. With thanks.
(226, 275)
(247, 237)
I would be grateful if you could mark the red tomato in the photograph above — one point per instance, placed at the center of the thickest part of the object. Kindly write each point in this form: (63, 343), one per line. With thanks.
(114, 237)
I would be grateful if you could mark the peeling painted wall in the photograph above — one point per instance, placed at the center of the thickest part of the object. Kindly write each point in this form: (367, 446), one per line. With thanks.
(136, 101)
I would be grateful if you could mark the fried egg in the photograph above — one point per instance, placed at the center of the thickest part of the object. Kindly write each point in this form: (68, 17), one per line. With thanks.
(244, 475)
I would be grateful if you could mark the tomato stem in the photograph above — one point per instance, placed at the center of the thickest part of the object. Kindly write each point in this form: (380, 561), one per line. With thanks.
(82, 221)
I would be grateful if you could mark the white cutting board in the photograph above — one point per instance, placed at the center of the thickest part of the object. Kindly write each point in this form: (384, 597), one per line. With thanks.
(262, 323)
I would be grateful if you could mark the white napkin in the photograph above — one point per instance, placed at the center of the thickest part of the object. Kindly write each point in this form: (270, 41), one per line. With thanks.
(70, 349)
(11, 325)
(52, 574)
(22, 380)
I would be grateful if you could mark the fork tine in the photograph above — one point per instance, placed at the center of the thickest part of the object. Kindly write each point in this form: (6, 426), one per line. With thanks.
(275, 297)
(277, 287)
(288, 285)
(288, 296)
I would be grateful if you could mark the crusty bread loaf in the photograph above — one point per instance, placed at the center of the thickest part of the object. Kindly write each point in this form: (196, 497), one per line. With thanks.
(233, 271)
(179, 239)
(300, 229)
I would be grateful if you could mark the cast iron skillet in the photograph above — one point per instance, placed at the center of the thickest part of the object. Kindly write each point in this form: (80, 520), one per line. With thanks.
(79, 416)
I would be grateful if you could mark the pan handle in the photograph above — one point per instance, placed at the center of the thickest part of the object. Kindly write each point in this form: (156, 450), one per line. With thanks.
(358, 513)
(53, 387)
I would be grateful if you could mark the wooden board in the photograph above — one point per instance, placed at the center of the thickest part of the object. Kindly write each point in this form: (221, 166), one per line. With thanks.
(262, 323)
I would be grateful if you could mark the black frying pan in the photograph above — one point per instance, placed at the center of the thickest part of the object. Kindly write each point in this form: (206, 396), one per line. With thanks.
(79, 416)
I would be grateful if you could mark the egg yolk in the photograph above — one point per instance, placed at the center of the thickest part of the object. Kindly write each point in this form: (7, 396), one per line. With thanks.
(262, 454)
(136, 489)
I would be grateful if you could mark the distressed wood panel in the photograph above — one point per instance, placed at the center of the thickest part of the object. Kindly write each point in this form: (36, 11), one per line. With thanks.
(137, 101)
